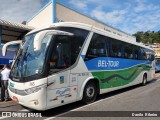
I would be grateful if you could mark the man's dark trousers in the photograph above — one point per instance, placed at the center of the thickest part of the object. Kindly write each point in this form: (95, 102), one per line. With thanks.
(4, 91)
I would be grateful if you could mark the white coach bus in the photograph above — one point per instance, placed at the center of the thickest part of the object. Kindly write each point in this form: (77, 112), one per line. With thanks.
(67, 62)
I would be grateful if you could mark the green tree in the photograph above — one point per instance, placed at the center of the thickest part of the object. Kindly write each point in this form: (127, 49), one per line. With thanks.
(147, 37)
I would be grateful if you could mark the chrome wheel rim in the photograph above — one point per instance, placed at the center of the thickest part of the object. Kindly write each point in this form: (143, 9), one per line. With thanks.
(90, 91)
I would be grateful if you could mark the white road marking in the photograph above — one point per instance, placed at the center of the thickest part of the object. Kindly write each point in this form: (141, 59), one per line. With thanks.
(24, 110)
(78, 108)
(158, 80)
(3, 117)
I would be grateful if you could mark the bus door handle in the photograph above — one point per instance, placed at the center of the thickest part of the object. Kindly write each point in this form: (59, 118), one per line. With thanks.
(50, 83)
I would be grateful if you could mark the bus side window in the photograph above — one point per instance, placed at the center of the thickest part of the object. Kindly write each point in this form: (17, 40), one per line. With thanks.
(97, 47)
(128, 51)
(135, 54)
(152, 57)
(143, 54)
(131, 52)
(139, 54)
(116, 49)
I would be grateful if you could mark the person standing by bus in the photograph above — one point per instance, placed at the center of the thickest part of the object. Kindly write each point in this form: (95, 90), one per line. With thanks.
(4, 82)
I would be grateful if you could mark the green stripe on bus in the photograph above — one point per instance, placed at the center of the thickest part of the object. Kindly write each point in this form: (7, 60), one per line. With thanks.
(109, 79)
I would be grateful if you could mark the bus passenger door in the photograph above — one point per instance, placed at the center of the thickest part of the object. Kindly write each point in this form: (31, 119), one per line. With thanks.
(59, 90)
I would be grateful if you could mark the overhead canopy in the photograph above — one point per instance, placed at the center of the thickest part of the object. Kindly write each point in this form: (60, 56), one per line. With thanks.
(10, 31)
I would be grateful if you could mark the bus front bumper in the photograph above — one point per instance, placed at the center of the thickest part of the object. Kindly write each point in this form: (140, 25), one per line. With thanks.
(36, 101)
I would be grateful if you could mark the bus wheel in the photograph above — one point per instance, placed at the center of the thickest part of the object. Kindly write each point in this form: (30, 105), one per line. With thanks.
(89, 93)
(144, 79)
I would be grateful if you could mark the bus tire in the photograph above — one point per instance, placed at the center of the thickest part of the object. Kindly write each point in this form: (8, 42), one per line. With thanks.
(89, 93)
(29, 109)
(144, 79)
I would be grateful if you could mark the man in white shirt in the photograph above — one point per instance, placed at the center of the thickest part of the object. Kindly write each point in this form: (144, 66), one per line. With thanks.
(4, 82)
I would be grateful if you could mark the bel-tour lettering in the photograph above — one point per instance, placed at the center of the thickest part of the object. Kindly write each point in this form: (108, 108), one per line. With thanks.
(104, 63)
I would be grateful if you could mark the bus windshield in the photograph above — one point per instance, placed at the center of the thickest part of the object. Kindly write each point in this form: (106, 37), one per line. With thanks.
(55, 55)
(30, 62)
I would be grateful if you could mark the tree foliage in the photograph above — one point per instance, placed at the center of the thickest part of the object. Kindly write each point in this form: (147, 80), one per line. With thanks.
(148, 37)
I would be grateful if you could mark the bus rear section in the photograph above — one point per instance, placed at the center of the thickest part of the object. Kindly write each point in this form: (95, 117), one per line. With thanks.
(157, 61)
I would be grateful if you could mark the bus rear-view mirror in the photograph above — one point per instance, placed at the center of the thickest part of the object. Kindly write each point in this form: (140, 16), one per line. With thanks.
(40, 36)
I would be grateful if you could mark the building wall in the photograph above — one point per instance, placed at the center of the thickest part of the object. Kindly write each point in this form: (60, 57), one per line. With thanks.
(63, 13)
(68, 15)
(43, 18)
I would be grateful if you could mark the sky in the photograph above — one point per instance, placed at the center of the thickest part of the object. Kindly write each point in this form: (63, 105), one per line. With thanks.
(129, 16)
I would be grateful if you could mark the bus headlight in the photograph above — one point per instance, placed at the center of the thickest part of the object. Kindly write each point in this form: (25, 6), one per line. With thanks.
(35, 89)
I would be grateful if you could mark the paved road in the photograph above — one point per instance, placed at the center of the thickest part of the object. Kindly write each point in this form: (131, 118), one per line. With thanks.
(136, 98)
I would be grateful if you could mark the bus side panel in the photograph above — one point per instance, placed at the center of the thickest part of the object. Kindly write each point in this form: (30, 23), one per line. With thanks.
(151, 72)
(59, 90)
(114, 72)
(135, 82)
(61, 96)
(82, 74)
